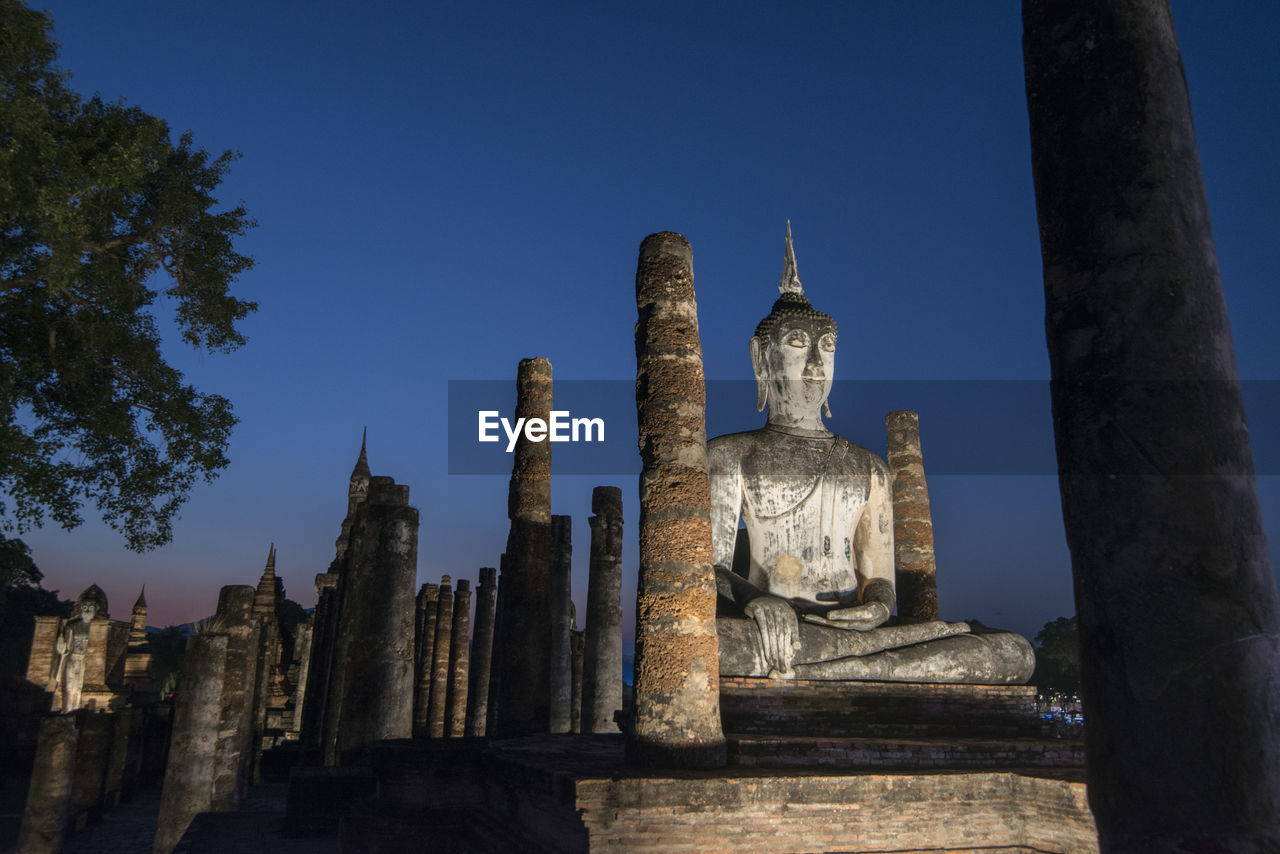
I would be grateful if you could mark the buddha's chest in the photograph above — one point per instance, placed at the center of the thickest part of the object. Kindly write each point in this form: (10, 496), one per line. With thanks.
(801, 513)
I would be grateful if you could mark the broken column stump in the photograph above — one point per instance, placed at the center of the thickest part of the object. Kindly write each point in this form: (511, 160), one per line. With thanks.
(915, 570)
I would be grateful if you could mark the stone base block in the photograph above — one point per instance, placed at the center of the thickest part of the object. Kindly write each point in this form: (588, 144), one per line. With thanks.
(573, 793)
(876, 709)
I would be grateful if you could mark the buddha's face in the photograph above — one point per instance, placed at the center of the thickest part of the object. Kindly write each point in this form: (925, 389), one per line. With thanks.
(800, 365)
(88, 610)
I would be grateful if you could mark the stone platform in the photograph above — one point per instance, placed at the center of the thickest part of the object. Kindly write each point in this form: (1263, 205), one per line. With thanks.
(573, 793)
(877, 709)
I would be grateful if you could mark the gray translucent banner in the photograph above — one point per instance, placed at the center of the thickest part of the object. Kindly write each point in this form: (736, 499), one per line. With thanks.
(967, 427)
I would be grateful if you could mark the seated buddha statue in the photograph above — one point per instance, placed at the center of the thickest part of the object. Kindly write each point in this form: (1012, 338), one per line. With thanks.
(818, 594)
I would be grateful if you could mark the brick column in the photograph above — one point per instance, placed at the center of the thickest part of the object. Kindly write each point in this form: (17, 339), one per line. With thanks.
(459, 659)
(428, 603)
(235, 749)
(438, 705)
(915, 571)
(561, 602)
(47, 814)
(188, 777)
(481, 653)
(677, 689)
(602, 654)
(524, 677)
(377, 615)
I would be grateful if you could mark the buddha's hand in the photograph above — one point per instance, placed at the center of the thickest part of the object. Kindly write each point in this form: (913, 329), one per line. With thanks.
(779, 633)
(859, 618)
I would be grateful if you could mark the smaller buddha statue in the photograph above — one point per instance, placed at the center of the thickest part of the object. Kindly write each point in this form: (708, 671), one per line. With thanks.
(72, 646)
(819, 590)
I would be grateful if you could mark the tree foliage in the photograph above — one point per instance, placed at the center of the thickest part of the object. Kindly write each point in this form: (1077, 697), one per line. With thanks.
(1058, 657)
(102, 215)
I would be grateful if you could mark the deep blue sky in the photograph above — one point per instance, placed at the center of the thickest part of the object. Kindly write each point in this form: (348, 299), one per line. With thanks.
(445, 188)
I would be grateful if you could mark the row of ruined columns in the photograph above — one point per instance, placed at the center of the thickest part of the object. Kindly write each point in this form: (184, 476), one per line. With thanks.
(543, 674)
(457, 684)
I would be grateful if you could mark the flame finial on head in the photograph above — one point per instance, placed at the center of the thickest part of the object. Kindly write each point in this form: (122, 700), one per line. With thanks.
(790, 282)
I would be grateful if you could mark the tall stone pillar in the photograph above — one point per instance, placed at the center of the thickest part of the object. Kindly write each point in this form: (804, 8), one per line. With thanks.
(428, 603)
(459, 660)
(677, 688)
(377, 619)
(602, 653)
(438, 706)
(324, 627)
(188, 777)
(303, 635)
(915, 570)
(93, 752)
(481, 653)
(561, 602)
(1174, 590)
(233, 759)
(47, 814)
(497, 664)
(576, 643)
(524, 677)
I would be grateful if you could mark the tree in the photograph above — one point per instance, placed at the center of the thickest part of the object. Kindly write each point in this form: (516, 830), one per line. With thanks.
(22, 599)
(1058, 657)
(99, 208)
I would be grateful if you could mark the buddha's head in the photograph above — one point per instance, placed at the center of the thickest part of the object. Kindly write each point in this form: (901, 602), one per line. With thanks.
(91, 603)
(793, 354)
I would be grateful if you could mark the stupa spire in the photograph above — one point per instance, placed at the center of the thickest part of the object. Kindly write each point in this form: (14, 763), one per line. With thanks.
(790, 282)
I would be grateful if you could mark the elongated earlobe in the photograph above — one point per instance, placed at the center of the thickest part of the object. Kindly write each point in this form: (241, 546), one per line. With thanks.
(826, 408)
(762, 380)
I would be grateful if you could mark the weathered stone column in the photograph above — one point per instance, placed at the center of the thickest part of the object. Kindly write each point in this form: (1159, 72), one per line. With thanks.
(524, 678)
(497, 665)
(915, 570)
(602, 653)
(303, 634)
(124, 740)
(234, 755)
(188, 777)
(93, 751)
(481, 653)
(575, 658)
(561, 602)
(48, 810)
(324, 629)
(459, 651)
(677, 689)
(428, 603)
(1179, 624)
(438, 705)
(378, 611)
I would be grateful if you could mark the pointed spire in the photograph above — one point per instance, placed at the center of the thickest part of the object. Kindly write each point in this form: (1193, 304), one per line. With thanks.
(362, 463)
(271, 561)
(790, 282)
(141, 604)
